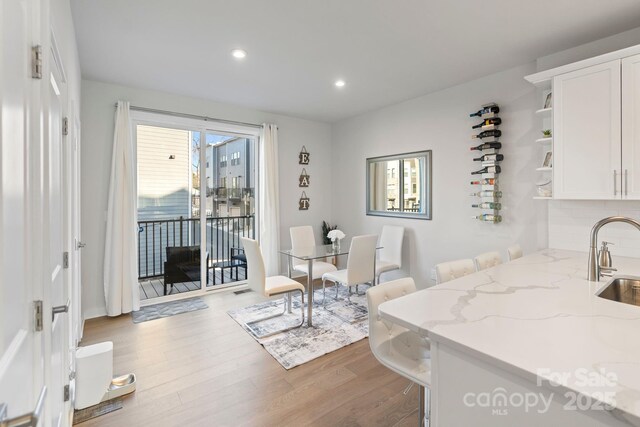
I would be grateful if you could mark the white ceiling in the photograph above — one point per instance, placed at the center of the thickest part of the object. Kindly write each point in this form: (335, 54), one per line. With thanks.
(386, 50)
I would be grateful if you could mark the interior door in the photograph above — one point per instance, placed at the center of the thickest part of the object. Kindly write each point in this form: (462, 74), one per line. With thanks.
(586, 121)
(22, 377)
(631, 127)
(59, 357)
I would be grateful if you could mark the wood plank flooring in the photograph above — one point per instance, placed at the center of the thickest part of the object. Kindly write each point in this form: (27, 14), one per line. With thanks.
(202, 369)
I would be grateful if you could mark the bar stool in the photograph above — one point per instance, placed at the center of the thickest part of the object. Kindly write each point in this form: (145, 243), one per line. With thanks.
(514, 252)
(446, 271)
(404, 352)
(487, 260)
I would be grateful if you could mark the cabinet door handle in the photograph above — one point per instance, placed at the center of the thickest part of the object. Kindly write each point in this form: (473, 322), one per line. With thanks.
(626, 182)
(615, 183)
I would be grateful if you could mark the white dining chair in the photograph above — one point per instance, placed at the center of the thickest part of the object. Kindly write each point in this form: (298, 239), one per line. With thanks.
(269, 286)
(487, 260)
(514, 252)
(302, 239)
(446, 271)
(360, 267)
(391, 250)
(404, 352)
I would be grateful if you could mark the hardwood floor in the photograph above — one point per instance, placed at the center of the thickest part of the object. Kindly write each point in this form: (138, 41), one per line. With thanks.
(202, 369)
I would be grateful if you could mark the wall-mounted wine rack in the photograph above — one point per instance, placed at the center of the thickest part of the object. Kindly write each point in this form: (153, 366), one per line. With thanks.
(485, 183)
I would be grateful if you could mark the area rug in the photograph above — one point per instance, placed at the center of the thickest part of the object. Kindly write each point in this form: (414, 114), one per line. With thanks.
(330, 332)
(166, 309)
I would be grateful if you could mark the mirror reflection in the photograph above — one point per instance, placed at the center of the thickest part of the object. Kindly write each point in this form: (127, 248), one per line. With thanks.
(400, 185)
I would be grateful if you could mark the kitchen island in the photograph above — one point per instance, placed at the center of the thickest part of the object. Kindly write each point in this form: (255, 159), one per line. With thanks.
(529, 342)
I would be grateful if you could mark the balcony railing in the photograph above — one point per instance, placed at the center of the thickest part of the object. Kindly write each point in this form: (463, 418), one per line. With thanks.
(222, 234)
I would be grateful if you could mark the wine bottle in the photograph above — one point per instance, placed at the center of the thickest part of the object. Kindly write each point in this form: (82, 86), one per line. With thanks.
(487, 169)
(488, 205)
(485, 181)
(488, 193)
(488, 218)
(490, 158)
(486, 122)
(487, 146)
(496, 133)
(486, 110)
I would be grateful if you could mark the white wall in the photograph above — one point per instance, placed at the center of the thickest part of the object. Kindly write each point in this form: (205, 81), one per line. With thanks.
(570, 222)
(98, 107)
(440, 122)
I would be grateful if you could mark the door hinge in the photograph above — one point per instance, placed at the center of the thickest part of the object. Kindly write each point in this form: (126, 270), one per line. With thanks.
(36, 62)
(38, 318)
(65, 126)
(65, 392)
(65, 260)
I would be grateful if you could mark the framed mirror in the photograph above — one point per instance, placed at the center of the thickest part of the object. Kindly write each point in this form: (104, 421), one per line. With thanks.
(400, 185)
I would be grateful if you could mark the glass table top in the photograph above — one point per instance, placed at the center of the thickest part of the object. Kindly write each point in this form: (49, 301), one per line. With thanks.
(321, 251)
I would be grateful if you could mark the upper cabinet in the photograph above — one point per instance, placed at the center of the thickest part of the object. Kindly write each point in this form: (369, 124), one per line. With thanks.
(631, 128)
(596, 126)
(587, 134)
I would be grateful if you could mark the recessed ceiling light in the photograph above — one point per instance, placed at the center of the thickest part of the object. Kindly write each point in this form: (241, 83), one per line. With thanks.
(239, 53)
(340, 83)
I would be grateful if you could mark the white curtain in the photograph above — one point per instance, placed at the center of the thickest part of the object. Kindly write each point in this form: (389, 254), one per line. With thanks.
(269, 211)
(121, 290)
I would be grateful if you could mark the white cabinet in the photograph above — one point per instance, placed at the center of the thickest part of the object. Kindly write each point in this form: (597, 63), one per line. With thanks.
(587, 133)
(631, 127)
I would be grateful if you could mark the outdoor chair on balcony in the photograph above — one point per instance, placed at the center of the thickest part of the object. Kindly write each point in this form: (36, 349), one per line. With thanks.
(182, 265)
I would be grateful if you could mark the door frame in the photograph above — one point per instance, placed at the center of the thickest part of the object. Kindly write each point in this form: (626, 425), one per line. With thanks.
(147, 118)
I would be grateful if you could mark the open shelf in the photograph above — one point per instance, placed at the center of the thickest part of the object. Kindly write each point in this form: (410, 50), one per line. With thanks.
(542, 198)
(544, 169)
(545, 140)
(545, 111)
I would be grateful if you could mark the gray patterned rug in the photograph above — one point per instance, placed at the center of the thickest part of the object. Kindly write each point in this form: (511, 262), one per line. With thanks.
(297, 346)
(157, 311)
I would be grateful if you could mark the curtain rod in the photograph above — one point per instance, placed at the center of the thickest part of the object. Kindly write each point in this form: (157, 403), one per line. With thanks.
(193, 116)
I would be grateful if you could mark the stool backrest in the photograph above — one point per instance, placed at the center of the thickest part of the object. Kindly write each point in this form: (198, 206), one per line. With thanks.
(381, 330)
(487, 260)
(514, 252)
(446, 271)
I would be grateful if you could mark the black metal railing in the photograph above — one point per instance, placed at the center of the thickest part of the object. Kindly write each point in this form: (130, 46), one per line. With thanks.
(222, 234)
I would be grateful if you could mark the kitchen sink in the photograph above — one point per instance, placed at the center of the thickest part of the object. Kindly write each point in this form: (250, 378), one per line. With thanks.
(622, 289)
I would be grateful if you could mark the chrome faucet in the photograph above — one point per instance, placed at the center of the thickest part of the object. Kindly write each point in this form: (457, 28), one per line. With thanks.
(594, 271)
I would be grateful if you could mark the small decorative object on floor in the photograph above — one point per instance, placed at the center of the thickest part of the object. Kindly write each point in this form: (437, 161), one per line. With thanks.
(335, 236)
(157, 311)
(489, 194)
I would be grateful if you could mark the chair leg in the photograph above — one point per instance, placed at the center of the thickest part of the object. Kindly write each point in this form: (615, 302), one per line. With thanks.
(249, 325)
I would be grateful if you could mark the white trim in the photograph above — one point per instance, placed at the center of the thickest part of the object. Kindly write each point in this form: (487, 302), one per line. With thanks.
(191, 124)
(543, 78)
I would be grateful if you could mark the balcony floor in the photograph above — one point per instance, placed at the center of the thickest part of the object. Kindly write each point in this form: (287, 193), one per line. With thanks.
(154, 287)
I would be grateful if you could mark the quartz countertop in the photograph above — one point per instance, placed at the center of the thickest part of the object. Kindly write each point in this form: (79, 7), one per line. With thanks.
(538, 317)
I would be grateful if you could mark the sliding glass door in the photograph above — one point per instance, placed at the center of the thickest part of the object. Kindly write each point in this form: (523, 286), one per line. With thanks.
(230, 165)
(192, 182)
